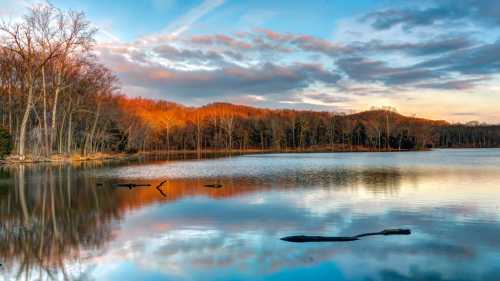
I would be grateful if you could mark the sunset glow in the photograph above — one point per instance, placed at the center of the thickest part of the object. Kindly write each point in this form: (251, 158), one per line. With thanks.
(434, 59)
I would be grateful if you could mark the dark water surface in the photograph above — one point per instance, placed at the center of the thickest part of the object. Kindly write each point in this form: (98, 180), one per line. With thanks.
(56, 223)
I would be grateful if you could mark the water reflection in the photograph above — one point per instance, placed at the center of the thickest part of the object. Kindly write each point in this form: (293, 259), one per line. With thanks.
(48, 218)
(58, 224)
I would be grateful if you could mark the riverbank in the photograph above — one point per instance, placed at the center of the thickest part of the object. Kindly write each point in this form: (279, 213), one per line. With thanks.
(59, 158)
(109, 156)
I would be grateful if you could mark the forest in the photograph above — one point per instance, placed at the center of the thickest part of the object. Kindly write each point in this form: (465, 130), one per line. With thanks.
(57, 99)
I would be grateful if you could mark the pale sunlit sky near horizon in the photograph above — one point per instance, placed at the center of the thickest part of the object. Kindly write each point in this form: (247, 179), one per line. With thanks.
(433, 58)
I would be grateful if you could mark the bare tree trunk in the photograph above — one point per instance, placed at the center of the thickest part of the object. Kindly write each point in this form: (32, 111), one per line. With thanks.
(90, 139)
(10, 106)
(54, 110)
(45, 129)
(26, 115)
(70, 136)
(61, 130)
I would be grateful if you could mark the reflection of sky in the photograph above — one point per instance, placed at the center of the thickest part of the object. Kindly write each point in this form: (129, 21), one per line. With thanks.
(454, 214)
(449, 199)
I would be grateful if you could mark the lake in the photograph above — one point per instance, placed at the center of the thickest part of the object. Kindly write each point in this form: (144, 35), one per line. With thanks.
(70, 222)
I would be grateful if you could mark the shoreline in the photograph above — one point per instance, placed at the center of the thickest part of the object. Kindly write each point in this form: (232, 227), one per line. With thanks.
(109, 156)
(58, 158)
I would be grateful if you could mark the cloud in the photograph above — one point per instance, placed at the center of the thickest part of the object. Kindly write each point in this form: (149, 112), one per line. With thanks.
(412, 17)
(268, 41)
(367, 70)
(483, 59)
(449, 11)
(465, 113)
(229, 81)
(265, 40)
(221, 79)
(439, 45)
(183, 23)
(221, 40)
(210, 58)
(454, 85)
(210, 67)
(281, 68)
(327, 98)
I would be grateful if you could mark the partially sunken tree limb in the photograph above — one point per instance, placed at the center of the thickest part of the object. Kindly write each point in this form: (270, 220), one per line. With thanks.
(159, 189)
(213, 185)
(303, 238)
(130, 185)
(387, 232)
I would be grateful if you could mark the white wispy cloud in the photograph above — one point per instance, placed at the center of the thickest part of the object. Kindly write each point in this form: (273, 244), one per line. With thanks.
(105, 35)
(183, 23)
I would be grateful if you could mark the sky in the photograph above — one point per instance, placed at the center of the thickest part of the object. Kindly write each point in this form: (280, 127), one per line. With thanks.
(437, 59)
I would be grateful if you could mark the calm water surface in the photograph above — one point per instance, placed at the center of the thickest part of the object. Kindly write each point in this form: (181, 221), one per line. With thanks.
(56, 223)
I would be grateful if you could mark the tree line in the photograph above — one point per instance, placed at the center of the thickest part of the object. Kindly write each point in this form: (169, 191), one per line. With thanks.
(52, 90)
(55, 98)
(161, 125)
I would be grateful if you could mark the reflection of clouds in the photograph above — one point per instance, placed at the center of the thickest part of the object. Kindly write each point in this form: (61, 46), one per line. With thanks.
(232, 233)
(229, 214)
(418, 274)
(207, 236)
(452, 226)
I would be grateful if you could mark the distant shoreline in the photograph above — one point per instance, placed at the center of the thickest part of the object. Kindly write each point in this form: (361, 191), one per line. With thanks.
(67, 159)
(209, 153)
(76, 158)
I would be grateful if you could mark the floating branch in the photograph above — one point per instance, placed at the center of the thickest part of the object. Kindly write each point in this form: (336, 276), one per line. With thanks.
(303, 238)
(213, 185)
(130, 185)
(159, 189)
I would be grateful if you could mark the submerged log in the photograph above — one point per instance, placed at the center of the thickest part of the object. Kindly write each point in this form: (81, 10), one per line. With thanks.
(130, 185)
(159, 189)
(303, 238)
(213, 185)
(396, 231)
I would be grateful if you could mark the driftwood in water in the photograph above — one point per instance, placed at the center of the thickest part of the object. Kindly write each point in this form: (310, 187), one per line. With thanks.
(213, 185)
(130, 185)
(159, 189)
(303, 238)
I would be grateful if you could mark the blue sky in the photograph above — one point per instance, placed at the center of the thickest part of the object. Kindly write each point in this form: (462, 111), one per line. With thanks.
(433, 58)
(145, 17)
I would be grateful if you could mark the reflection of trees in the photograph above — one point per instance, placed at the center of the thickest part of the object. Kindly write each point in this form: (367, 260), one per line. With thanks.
(48, 217)
(51, 217)
(374, 180)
